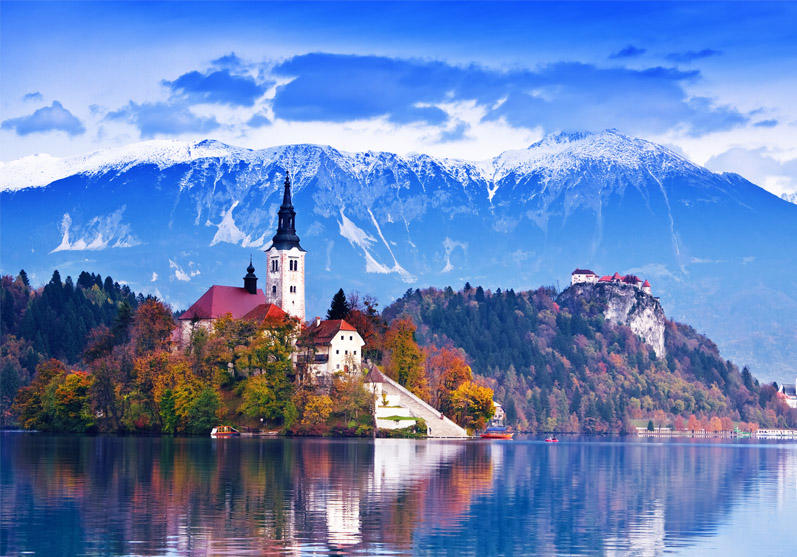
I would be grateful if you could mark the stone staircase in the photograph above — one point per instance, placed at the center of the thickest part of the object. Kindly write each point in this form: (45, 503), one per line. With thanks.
(438, 425)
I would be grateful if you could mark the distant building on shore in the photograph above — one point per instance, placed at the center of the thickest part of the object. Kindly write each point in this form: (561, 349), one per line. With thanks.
(788, 393)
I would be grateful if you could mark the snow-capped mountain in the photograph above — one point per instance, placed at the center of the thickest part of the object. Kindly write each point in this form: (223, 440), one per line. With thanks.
(173, 218)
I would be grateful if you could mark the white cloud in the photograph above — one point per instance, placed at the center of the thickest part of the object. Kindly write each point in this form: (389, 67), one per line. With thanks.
(180, 273)
(154, 276)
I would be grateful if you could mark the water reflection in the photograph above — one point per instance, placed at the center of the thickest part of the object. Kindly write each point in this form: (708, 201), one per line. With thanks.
(147, 496)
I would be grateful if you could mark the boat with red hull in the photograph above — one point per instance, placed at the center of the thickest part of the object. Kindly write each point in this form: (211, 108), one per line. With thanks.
(497, 433)
(224, 431)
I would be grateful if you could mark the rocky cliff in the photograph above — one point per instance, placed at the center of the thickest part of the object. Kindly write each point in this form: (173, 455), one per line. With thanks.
(620, 303)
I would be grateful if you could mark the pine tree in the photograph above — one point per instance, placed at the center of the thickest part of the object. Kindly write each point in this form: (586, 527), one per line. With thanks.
(339, 308)
(23, 276)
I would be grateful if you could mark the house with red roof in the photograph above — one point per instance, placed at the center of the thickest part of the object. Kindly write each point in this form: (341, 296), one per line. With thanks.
(337, 346)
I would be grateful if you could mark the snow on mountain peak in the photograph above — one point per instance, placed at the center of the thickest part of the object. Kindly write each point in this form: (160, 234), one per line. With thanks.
(562, 152)
(42, 169)
(554, 154)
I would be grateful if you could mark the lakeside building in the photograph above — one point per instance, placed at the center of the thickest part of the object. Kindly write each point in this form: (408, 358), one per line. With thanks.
(337, 346)
(788, 393)
(284, 282)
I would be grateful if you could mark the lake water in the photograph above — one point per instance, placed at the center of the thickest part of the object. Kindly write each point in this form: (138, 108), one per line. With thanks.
(63, 495)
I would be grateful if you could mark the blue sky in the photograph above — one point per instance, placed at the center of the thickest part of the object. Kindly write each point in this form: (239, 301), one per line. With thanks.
(468, 80)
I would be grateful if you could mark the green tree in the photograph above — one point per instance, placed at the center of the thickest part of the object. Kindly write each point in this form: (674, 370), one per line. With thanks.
(403, 357)
(201, 416)
(258, 400)
(23, 277)
(339, 308)
(169, 417)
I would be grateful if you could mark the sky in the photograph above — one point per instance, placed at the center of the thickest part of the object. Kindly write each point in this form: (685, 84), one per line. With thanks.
(715, 81)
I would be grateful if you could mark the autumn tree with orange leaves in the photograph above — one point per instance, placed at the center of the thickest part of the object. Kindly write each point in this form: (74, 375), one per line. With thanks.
(446, 369)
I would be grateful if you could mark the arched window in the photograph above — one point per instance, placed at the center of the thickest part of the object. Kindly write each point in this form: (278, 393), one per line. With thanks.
(274, 289)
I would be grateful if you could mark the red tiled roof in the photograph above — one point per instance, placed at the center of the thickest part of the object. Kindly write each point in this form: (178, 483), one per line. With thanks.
(605, 278)
(220, 300)
(646, 284)
(582, 272)
(265, 311)
(326, 330)
(616, 276)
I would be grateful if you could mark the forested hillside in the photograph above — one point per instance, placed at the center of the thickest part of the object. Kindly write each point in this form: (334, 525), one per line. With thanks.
(570, 370)
(54, 321)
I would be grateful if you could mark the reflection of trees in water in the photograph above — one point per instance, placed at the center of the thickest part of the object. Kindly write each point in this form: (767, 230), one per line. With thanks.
(604, 497)
(196, 495)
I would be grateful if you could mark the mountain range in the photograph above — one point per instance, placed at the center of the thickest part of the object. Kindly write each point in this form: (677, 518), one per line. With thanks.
(173, 218)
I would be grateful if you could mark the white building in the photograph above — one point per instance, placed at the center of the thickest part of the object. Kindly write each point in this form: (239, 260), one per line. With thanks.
(788, 392)
(582, 275)
(285, 260)
(338, 346)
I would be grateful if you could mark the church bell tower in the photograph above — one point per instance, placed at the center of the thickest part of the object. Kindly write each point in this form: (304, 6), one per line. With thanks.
(285, 261)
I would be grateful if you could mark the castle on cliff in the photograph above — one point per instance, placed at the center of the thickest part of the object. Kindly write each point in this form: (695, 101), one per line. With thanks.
(581, 276)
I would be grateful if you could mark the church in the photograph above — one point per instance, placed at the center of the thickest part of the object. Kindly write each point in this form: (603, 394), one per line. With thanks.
(284, 295)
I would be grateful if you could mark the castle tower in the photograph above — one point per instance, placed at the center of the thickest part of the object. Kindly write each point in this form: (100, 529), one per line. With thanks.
(285, 261)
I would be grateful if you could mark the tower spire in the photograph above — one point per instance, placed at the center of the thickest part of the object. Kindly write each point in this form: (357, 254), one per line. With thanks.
(286, 195)
(286, 237)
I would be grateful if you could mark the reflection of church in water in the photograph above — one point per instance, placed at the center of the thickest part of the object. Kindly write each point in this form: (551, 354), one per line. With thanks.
(338, 344)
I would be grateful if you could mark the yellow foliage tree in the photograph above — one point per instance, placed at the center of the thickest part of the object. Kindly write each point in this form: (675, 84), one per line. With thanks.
(317, 410)
(473, 405)
(403, 357)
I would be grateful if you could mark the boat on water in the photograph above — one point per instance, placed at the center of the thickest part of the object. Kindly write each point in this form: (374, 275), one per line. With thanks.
(496, 428)
(224, 431)
(497, 432)
(552, 440)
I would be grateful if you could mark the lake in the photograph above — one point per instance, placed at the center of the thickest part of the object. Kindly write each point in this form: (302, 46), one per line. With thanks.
(80, 495)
